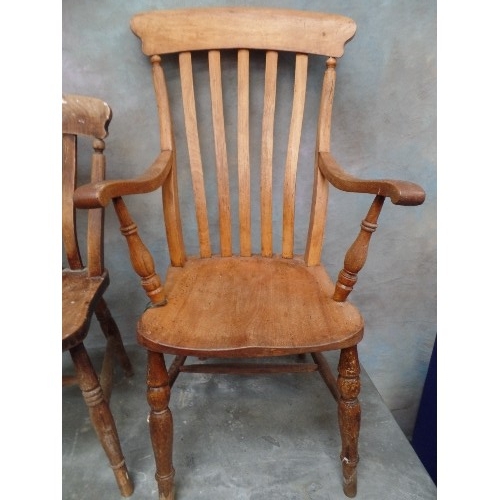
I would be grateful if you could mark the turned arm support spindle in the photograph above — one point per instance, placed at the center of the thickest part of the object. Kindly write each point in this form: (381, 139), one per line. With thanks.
(99, 194)
(141, 258)
(355, 257)
(400, 193)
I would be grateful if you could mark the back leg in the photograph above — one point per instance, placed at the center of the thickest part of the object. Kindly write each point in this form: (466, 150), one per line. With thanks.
(111, 332)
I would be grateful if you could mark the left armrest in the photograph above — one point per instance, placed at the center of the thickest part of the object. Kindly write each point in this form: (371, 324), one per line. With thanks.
(101, 193)
(400, 192)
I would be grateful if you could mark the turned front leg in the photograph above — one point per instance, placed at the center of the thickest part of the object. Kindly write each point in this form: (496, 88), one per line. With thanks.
(160, 424)
(101, 417)
(349, 416)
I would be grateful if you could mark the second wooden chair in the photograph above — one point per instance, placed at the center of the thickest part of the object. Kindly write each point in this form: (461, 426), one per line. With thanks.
(84, 283)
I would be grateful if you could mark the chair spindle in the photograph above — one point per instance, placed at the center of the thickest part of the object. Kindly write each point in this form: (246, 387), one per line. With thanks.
(214, 65)
(193, 143)
(68, 210)
(299, 97)
(244, 152)
(266, 172)
(170, 193)
(355, 257)
(321, 186)
(95, 242)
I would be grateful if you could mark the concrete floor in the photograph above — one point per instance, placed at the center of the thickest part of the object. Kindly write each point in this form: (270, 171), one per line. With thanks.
(249, 438)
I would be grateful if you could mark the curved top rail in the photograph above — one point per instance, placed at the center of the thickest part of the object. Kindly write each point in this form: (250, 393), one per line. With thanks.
(85, 115)
(183, 30)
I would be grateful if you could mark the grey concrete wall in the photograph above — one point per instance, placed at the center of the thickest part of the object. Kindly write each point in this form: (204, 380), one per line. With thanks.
(384, 126)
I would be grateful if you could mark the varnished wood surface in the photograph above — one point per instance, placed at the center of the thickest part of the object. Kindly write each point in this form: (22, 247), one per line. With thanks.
(80, 294)
(249, 368)
(68, 223)
(214, 64)
(101, 193)
(266, 156)
(101, 417)
(400, 192)
(85, 115)
(317, 217)
(185, 30)
(289, 185)
(244, 187)
(195, 160)
(249, 307)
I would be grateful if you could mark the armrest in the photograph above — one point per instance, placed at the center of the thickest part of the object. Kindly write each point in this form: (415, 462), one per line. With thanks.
(100, 193)
(400, 192)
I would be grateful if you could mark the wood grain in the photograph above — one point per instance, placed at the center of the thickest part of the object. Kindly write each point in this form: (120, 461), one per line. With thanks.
(251, 306)
(183, 30)
(193, 141)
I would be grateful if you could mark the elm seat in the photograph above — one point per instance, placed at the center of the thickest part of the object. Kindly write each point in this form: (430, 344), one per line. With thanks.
(249, 306)
(256, 286)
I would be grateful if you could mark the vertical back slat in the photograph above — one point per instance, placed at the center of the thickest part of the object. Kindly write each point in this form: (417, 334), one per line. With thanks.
(193, 142)
(299, 97)
(320, 188)
(244, 152)
(95, 240)
(266, 178)
(69, 234)
(220, 152)
(170, 194)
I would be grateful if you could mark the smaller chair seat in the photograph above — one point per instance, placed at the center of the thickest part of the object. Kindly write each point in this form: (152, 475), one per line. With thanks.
(80, 294)
(249, 306)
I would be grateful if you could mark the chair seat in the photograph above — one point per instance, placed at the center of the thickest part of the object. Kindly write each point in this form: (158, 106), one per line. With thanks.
(253, 306)
(80, 294)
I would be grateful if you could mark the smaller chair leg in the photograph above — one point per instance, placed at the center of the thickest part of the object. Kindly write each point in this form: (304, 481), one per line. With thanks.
(160, 423)
(349, 411)
(101, 417)
(111, 331)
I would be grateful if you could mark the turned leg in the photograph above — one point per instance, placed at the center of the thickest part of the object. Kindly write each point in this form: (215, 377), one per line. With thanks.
(101, 417)
(349, 416)
(160, 424)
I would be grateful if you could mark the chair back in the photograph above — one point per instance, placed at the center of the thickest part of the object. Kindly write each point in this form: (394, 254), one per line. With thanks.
(242, 70)
(83, 118)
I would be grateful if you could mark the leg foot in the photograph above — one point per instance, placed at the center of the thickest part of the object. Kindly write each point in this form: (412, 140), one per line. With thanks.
(350, 474)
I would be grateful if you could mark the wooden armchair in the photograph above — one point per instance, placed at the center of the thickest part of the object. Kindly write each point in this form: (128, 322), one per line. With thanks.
(232, 302)
(83, 284)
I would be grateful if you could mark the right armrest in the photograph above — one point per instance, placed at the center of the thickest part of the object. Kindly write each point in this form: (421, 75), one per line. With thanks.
(400, 192)
(99, 194)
